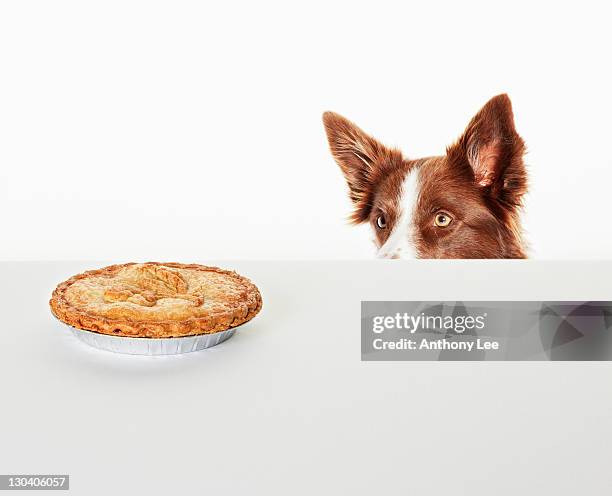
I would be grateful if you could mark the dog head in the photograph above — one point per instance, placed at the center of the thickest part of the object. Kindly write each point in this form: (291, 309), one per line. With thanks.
(464, 204)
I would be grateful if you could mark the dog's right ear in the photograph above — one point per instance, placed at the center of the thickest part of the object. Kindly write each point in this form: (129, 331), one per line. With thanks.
(361, 158)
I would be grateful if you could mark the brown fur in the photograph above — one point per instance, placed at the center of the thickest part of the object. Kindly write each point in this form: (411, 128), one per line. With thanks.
(480, 183)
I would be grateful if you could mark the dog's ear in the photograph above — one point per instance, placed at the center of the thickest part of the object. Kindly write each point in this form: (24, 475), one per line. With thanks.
(491, 152)
(362, 159)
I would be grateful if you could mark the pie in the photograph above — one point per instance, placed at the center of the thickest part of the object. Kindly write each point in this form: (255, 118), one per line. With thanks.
(154, 300)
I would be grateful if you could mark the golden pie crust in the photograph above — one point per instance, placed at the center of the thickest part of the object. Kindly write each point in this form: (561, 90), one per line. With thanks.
(155, 300)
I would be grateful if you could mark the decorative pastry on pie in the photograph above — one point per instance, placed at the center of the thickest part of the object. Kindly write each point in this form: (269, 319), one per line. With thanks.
(154, 300)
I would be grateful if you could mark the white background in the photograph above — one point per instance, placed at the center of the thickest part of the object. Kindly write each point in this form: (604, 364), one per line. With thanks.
(178, 130)
(192, 132)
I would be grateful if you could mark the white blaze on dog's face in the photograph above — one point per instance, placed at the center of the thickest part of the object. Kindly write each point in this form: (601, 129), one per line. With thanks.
(465, 204)
(400, 242)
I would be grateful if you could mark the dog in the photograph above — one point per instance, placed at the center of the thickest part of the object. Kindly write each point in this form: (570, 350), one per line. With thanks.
(465, 204)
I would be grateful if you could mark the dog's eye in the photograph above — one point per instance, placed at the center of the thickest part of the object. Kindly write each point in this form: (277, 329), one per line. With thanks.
(381, 222)
(442, 219)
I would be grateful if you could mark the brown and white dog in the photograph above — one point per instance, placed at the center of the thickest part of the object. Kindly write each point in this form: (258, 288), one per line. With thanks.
(465, 204)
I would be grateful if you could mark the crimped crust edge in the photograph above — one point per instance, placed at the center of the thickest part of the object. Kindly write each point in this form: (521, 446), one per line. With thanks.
(217, 322)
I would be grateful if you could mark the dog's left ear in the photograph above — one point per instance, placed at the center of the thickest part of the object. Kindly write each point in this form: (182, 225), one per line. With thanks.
(490, 152)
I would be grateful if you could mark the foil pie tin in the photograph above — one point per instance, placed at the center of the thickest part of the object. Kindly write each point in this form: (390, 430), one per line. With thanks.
(152, 346)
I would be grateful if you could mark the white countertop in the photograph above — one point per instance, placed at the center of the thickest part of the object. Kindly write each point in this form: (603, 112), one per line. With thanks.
(287, 407)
